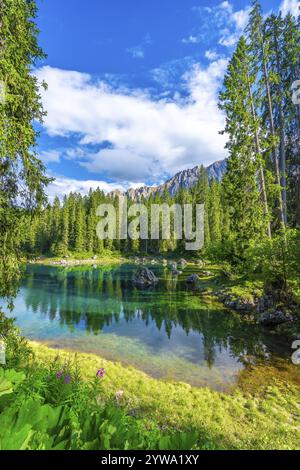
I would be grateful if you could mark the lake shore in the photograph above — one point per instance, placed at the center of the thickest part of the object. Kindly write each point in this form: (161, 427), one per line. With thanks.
(262, 412)
(70, 262)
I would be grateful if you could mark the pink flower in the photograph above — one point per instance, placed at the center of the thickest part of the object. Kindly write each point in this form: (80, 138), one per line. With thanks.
(101, 373)
(67, 379)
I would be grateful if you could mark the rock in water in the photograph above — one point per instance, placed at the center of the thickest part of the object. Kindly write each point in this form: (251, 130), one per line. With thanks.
(173, 265)
(183, 263)
(175, 272)
(193, 280)
(275, 317)
(145, 278)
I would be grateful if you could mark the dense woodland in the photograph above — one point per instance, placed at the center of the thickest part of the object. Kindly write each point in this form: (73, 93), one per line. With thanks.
(258, 199)
(252, 222)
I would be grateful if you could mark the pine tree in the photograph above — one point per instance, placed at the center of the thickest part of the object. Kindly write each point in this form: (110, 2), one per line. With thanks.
(201, 196)
(261, 54)
(22, 174)
(240, 182)
(65, 227)
(214, 212)
(79, 225)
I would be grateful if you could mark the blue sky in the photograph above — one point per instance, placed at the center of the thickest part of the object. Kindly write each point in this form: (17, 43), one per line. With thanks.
(133, 86)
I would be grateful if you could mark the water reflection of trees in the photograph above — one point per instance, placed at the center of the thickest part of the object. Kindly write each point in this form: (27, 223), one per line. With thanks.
(96, 298)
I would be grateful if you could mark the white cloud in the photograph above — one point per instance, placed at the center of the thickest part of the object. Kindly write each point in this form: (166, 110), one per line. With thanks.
(226, 6)
(211, 55)
(136, 52)
(228, 39)
(48, 156)
(236, 22)
(148, 139)
(63, 186)
(290, 6)
(191, 39)
(221, 23)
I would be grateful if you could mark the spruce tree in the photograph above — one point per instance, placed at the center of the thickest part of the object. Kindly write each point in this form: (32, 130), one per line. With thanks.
(240, 182)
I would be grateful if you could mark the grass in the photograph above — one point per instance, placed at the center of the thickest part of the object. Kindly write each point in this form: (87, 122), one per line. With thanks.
(262, 413)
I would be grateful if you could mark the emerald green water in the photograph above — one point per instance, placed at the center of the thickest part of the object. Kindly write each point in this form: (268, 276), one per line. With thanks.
(168, 332)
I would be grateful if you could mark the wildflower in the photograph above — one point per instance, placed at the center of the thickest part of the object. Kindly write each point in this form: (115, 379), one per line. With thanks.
(101, 373)
(67, 379)
(59, 374)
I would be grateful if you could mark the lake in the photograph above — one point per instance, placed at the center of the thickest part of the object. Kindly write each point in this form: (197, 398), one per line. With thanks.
(169, 332)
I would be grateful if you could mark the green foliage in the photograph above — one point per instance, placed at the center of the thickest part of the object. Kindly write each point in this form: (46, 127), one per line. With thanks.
(277, 260)
(23, 177)
(17, 349)
(47, 411)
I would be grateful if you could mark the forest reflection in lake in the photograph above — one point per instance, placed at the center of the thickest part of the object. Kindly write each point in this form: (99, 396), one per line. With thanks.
(168, 332)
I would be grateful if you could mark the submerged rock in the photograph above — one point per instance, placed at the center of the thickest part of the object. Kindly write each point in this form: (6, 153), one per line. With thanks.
(145, 278)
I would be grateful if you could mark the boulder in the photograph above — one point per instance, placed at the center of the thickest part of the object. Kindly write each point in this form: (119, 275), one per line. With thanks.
(245, 304)
(145, 278)
(183, 263)
(175, 272)
(193, 279)
(173, 265)
(206, 274)
(275, 317)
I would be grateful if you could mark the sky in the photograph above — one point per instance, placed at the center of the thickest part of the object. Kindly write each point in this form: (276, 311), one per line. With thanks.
(133, 87)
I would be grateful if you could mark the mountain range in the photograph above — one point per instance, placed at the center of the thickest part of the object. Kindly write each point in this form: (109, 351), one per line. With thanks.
(183, 179)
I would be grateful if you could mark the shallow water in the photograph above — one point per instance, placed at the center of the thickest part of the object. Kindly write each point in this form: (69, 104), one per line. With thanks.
(168, 332)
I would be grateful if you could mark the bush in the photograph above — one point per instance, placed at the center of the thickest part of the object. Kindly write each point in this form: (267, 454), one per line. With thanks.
(277, 260)
(54, 409)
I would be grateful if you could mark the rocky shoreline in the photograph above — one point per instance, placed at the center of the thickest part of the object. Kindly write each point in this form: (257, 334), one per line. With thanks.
(269, 309)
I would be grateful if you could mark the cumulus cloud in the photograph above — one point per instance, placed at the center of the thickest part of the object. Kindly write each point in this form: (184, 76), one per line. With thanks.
(290, 6)
(219, 24)
(146, 138)
(235, 22)
(62, 186)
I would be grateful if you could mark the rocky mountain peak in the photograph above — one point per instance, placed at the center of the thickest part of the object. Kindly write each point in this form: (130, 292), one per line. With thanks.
(183, 179)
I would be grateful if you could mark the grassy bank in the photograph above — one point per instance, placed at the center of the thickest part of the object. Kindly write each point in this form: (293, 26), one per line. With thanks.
(262, 413)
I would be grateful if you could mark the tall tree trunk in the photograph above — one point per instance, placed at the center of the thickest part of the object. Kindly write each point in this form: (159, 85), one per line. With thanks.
(261, 169)
(282, 148)
(273, 133)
